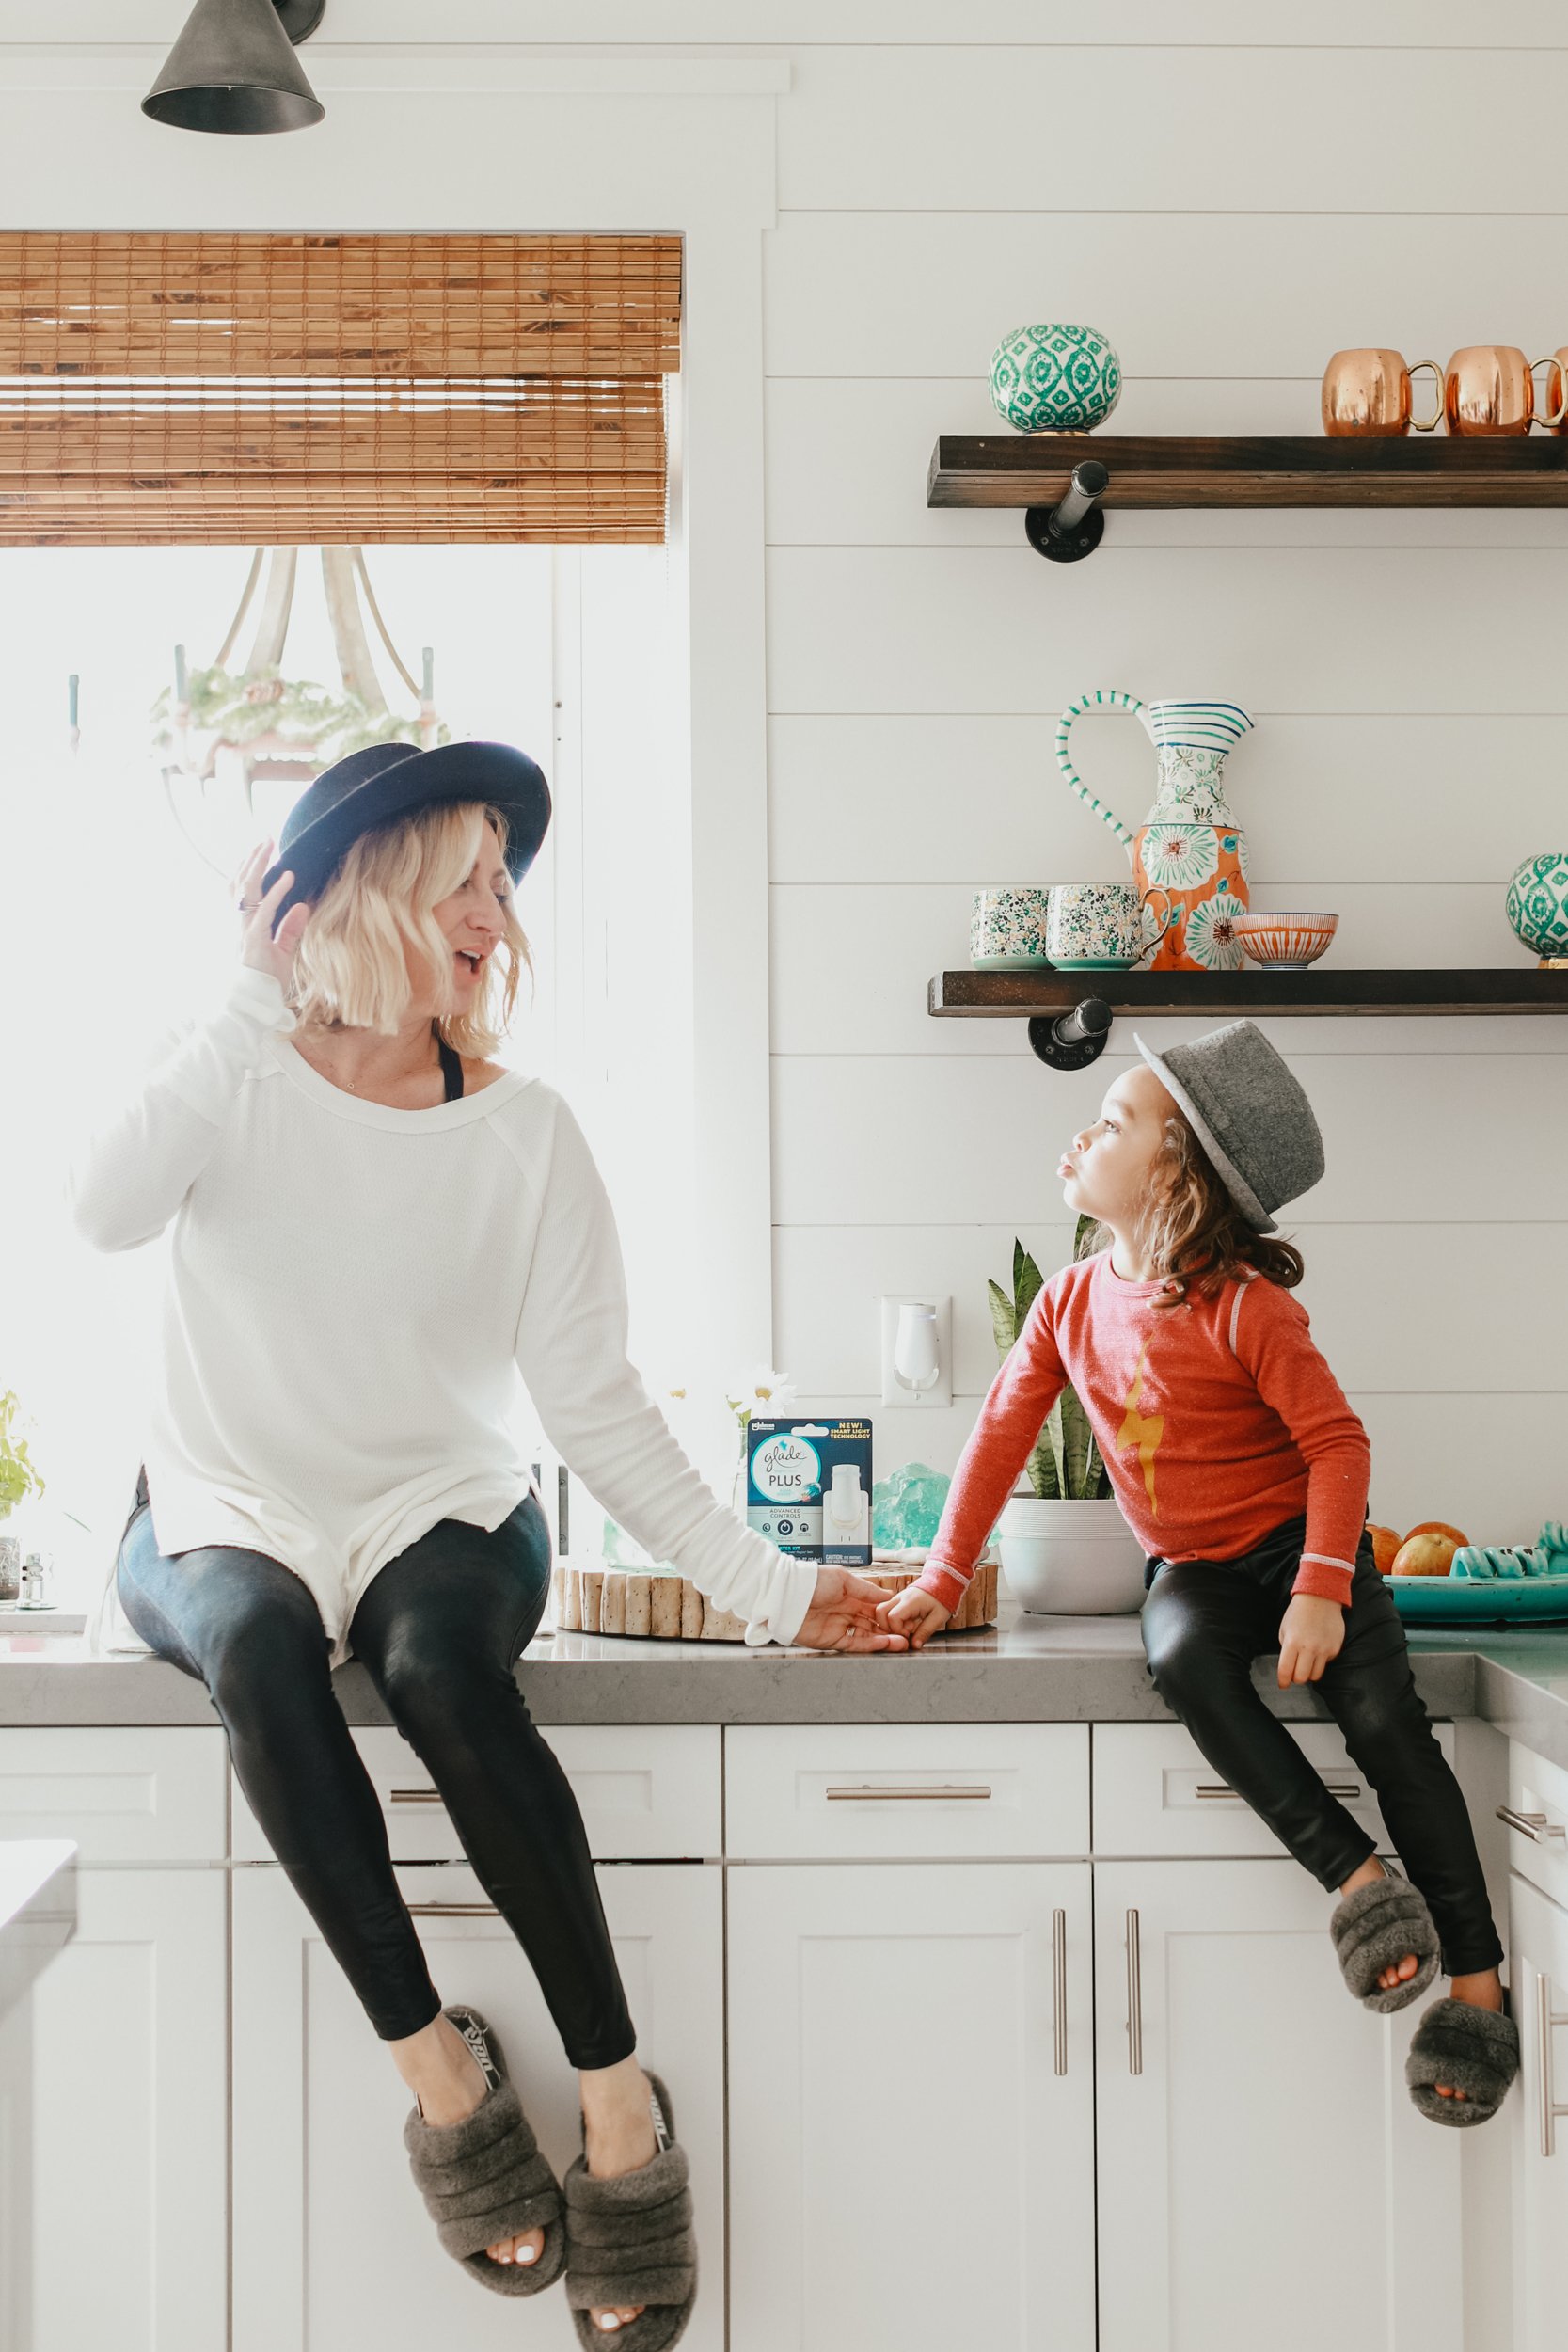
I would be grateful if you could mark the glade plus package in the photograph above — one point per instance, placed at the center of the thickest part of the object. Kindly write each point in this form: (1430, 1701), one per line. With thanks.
(808, 1488)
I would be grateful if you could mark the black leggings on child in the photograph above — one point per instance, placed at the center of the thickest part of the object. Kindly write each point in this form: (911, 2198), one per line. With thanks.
(1204, 1622)
(438, 1629)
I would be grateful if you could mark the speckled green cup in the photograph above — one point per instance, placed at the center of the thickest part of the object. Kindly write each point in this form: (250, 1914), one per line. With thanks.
(1007, 928)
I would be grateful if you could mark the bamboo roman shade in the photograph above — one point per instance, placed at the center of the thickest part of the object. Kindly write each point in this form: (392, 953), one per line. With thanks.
(317, 389)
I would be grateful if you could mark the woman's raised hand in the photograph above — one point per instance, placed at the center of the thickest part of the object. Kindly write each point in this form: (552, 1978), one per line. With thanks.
(843, 1615)
(259, 947)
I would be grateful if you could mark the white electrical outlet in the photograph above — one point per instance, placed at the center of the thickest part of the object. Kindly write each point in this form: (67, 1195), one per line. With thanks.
(895, 1390)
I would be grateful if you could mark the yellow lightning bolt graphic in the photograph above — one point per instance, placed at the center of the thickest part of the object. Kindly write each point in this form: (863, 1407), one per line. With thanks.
(1143, 1430)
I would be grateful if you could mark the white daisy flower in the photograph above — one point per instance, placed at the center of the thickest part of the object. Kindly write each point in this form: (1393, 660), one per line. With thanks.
(761, 1391)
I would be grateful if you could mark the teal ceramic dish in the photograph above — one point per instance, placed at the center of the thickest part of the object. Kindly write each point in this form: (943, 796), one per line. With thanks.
(1457, 1602)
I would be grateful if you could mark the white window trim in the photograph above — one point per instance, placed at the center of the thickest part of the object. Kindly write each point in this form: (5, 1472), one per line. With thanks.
(499, 140)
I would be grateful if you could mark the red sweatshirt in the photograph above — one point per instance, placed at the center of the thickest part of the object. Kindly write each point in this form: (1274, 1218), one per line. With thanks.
(1218, 1420)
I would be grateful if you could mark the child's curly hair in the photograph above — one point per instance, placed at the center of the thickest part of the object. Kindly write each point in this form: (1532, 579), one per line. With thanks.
(1194, 1232)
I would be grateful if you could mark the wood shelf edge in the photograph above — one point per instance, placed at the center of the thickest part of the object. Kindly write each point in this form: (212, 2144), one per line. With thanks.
(964, 994)
(1177, 471)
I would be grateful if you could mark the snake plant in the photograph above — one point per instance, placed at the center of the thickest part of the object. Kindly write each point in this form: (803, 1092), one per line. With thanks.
(1065, 1465)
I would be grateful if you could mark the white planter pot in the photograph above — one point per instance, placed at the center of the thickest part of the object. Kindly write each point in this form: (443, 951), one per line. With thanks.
(1071, 1559)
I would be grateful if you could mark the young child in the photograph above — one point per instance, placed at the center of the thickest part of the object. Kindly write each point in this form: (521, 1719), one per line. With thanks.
(1242, 1471)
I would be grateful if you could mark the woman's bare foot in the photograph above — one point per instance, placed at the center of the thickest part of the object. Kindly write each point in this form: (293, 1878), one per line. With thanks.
(444, 2077)
(1484, 1990)
(619, 2136)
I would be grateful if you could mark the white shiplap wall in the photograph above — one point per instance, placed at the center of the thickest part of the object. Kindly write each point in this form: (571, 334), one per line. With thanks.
(1231, 192)
(1229, 215)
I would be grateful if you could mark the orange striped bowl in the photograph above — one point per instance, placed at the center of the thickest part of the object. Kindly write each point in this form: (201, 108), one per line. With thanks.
(1288, 943)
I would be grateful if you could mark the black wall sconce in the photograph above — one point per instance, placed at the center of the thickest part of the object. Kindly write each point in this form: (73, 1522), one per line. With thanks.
(233, 69)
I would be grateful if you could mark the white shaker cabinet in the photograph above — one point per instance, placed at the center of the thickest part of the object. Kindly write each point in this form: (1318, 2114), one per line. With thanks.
(332, 2243)
(1538, 2118)
(130, 2122)
(912, 2106)
(129, 2038)
(1262, 2174)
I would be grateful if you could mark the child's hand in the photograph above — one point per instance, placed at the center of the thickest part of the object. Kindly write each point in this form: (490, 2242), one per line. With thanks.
(915, 1613)
(1310, 1633)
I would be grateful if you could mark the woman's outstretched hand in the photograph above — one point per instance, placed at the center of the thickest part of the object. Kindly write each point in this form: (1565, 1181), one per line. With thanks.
(259, 947)
(843, 1615)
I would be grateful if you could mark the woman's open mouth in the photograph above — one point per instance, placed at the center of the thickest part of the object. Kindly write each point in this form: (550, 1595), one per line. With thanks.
(468, 959)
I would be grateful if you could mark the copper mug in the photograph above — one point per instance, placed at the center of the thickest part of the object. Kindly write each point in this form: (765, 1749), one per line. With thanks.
(1555, 416)
(1489, 389)
(1369, 392)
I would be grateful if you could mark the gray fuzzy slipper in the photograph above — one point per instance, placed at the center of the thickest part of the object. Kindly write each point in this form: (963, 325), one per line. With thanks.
(1473, 2050)
(485, 2178)
(1374, 1929)
(631, 2240)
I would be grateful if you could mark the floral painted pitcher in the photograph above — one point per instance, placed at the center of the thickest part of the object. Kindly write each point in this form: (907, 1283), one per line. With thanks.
(1189, 847)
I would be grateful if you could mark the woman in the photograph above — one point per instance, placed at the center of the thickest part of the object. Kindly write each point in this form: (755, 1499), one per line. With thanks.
(375, 1227)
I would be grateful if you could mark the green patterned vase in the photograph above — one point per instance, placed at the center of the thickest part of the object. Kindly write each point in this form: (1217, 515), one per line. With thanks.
(1055, 379)
(1538, 904)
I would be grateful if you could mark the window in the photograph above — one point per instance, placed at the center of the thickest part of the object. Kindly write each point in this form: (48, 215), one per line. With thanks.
(116, 918)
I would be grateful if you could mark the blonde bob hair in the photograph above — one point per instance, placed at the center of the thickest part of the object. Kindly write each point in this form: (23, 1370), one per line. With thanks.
(350, 968)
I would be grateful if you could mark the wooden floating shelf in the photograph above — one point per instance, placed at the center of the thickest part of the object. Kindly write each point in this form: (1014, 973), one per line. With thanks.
(1174, 471)
(1235, 996)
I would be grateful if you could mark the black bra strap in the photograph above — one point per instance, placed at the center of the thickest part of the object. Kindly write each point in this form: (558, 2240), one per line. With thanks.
(452, 1068)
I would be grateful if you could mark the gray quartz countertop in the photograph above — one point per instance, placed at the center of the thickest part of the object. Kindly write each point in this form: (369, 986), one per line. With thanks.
(1025, 1669)
(38, 1910)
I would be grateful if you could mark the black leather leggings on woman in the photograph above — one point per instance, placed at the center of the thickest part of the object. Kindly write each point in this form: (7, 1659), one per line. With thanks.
(1204, 1621)
(438, 1628)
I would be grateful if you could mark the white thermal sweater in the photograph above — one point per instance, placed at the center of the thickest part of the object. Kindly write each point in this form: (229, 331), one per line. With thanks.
(352, 1293)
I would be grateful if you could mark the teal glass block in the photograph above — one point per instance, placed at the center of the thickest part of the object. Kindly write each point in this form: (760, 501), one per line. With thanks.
(907, 1506)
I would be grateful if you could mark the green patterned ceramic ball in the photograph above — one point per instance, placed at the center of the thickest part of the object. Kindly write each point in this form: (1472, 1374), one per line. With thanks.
(1055, 379)
(1538, 902)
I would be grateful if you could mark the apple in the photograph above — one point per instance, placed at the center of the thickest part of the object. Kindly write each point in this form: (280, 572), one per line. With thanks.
(1424, 1555)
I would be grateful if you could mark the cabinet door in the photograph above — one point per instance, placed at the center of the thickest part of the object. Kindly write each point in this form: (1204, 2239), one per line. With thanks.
(130, 2118)
(912, 2108)
(1261, 2168)
(332, 2243)
(1538, 1973)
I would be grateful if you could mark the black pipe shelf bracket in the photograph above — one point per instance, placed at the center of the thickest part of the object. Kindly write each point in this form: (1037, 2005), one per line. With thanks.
(1072, 1040)
(1066, 532)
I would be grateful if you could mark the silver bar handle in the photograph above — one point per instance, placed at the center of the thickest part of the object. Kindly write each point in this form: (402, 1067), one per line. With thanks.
(1348, 1789)
(1134, 1997)
(934, 1795)
(1551, 2106)
(1536, 1826)
(1058, 1987)
(452, 1911)
(414, 1796)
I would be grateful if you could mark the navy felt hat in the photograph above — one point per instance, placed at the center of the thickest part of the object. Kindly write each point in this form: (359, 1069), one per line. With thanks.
(386, 781)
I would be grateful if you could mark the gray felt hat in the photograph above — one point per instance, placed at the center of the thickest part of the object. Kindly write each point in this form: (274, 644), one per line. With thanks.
(1250, 1114)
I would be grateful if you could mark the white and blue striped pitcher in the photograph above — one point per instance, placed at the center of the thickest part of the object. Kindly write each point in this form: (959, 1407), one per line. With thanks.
(1189, 849)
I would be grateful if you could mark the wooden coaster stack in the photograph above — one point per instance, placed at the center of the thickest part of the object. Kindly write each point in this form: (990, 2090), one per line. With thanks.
(650, 1607)
(639, 1602)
